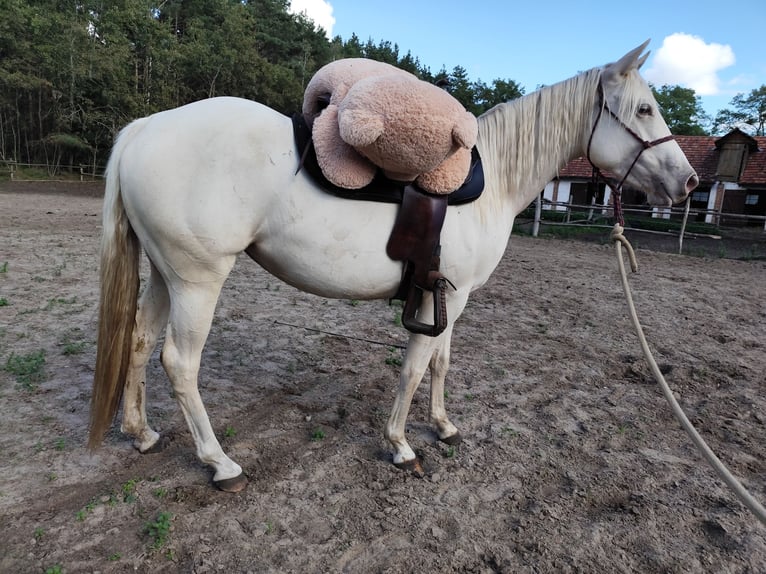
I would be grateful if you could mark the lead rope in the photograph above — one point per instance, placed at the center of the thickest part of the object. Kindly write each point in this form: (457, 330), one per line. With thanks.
(745, 497)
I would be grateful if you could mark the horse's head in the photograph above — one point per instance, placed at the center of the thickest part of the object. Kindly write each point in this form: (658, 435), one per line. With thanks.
(630, 138)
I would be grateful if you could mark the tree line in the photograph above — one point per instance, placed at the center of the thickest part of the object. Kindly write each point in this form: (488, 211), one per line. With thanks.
(74, 72)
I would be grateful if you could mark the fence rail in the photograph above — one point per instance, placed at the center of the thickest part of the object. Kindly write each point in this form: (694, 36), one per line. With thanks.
(657, 213)
(84, 171)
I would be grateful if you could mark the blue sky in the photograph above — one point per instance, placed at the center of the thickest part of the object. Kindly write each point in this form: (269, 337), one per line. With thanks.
(694, 43)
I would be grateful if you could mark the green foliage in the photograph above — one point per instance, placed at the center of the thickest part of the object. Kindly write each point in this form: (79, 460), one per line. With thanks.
(28, 369)
(682, 110)
(159, 530)
(73, 74)
(749, 113)
(317, 435)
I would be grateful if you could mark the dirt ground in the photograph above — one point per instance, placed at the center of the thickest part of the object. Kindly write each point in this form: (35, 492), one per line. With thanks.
(572, 460)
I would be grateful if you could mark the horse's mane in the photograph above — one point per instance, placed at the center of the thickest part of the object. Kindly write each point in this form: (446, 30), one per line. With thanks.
(534, 136)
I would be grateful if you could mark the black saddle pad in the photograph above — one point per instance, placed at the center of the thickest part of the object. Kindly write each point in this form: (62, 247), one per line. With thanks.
(381, 188)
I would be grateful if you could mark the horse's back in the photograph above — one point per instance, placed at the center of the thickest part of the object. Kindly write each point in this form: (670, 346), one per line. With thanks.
(203, 172)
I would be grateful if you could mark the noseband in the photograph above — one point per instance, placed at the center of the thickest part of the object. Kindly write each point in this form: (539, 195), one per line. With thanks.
(603, 104)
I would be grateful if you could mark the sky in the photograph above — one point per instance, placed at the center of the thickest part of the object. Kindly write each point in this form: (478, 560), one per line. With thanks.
(712, 47)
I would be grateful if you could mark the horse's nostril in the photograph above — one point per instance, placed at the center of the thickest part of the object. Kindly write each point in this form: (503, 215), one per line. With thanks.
(691, 183)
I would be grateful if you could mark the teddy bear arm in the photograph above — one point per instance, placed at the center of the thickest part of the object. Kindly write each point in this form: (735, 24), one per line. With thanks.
(340, 163)
(448, 175)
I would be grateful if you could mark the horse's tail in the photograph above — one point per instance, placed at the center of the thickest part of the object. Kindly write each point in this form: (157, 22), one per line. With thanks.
(119, 277)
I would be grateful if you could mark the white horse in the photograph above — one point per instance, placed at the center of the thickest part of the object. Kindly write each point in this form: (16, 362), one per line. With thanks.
(197, 185)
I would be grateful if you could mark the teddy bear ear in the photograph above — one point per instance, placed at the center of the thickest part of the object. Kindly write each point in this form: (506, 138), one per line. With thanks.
(466, 130)
(360, 128)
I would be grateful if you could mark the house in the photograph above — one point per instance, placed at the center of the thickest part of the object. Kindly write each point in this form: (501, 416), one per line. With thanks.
(731, 169)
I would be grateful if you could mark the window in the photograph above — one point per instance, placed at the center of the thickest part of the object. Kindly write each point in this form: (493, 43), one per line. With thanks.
(751, 199)
(701, 196)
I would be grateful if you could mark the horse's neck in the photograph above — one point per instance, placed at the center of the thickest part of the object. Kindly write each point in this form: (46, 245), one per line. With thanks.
(527, 141)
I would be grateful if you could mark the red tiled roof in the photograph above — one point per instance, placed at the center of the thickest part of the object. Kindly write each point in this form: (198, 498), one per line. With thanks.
(755, 170)
(702, 153)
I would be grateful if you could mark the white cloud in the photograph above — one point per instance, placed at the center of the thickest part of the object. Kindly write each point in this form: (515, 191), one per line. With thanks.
(688, 61)
(319, 11)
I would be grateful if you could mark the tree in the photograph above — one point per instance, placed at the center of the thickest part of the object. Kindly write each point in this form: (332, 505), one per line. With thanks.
(749, 113)
(682, 110)
(486, 97)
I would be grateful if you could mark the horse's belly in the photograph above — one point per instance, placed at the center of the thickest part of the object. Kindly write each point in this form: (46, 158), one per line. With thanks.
(330, 247)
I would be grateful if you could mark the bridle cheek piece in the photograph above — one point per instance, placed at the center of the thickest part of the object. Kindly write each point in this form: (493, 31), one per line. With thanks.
(603, 104)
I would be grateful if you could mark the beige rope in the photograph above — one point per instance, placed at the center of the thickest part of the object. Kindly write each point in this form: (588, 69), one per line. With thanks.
(745, 497)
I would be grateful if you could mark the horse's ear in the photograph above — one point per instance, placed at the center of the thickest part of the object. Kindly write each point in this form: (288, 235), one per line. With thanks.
(630, 61)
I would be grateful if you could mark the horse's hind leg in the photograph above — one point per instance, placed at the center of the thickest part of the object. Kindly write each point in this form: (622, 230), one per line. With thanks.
(192, 305)
(151, 317)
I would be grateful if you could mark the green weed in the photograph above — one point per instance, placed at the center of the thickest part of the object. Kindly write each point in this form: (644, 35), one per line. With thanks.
(159, 530)
(60, 301)
(394, 358)
(4, 267)
(129, 490)
(39, 532)
(28, 369)
(317, 435)
(4, 302)
(230, 432)
(55, 569)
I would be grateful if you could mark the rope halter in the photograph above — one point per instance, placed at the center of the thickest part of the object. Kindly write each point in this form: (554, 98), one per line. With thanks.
(603, 105)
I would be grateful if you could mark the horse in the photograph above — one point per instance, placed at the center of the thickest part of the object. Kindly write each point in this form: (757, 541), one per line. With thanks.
(197, 185)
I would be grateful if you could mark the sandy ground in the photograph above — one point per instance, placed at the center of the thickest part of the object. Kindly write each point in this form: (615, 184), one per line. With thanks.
(572, 461)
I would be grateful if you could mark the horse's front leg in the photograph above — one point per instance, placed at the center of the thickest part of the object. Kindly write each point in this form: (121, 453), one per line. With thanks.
(419, 351)
(422, 351)
(446, 431)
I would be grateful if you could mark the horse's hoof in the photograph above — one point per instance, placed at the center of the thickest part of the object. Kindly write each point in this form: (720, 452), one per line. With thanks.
(236, 484)
(452, 440)
(159, 445)
(413, 466)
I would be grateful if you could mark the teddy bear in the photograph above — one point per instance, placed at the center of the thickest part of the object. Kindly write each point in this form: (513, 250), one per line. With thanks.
(369, 115)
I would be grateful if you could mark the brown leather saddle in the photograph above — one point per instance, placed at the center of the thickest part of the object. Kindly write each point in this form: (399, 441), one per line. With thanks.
(415, 236)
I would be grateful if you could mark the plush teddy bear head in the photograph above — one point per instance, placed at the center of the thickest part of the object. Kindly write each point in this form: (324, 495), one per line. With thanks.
(412, 130)
(368, 116)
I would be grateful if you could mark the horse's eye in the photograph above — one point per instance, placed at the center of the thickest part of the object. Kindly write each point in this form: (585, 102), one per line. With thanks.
(644, 110)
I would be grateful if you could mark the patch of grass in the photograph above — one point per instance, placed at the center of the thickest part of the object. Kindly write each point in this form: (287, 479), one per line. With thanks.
(450, 452)
(159, 530)
(28, 369)
(39, 533)
(60, 301)
(74, 348)
(114, 557)
(394, 357)
(317, 435)
(4, 267)
(4, 302)
(129, 490)
(60, 444)
(160, 492)
(230, 432)
(81, 514)
(55, 569)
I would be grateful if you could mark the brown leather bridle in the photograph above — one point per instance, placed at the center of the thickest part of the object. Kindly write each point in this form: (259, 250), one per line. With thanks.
(603, 104)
